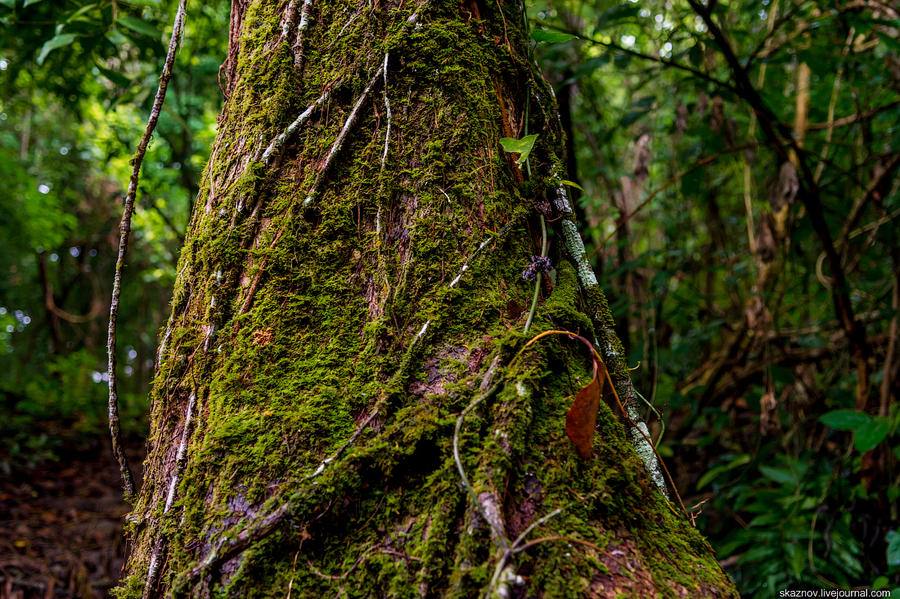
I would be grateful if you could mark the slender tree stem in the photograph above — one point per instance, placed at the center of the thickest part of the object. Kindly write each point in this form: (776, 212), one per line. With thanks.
(124, 231)
(537, 280)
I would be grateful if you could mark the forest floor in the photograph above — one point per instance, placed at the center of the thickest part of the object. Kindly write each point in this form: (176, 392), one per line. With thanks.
(61, 525)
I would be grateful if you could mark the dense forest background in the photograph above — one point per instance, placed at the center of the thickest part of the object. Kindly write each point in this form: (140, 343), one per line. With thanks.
(736, 165)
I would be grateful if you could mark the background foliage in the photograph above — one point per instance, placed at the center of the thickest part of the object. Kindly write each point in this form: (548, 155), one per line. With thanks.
(721, 149)
(78, 79)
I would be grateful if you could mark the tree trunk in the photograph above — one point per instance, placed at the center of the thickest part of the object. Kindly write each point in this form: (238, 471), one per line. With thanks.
(350, 296)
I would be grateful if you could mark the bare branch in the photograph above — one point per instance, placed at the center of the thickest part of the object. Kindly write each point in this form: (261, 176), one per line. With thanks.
(124, 231)
(336, 147)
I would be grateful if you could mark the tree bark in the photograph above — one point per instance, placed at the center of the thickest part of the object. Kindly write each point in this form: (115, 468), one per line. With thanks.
(342, 349)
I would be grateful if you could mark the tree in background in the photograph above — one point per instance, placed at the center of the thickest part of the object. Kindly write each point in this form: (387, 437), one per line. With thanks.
(76, 80)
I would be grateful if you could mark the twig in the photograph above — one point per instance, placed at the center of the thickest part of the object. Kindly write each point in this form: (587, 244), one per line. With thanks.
(853, 118)
(301, 28)
(657, 59)
(537, 279)
(871, 192)
(343, 29)
(517, 547)
(153, 568)
(335, 148)
(124, 231)
(501, 535)
(343, 447)
(751, 134)
(464, 267)
(227, 548)
(277, 143)
(662, 423)
(832, 103)
(531, 544)
(387, 108)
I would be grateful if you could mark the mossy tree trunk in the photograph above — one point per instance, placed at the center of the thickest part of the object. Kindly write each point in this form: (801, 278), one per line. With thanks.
(351, 293)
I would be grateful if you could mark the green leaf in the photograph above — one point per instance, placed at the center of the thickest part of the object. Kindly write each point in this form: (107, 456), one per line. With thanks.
(715, 472)
(115, 37)
(616, 14)
(587, 67)
(893, 493)
(81, 12)
(880, 583)
(550, 37)
(845, 420)
(519, 146)
(871, 434)
(8, 3)
(30, 2)
(888, 41)
(115, 77)
(779, 475)
(63, 39)
(571, 184)
(138, 26)
(893, 548)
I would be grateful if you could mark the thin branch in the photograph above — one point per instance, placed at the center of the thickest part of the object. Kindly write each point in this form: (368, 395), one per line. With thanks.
(648, 57)
(871, 192)
(167, 220)
(465, 265)
(751, 134)
(336, 147)
(154, 567)
(387, 108)
(343, 447)
(531, 544)
(301, 29)
(854, 118)
(124, 231)
(277, 143)
(832, 104)
(588, 281)
(537, 279)
(501, 535)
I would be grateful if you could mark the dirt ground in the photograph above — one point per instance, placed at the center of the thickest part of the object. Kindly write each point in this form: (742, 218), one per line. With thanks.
(61, 527)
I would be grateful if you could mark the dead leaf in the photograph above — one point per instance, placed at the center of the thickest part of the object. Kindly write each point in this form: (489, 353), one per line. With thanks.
(582, 416)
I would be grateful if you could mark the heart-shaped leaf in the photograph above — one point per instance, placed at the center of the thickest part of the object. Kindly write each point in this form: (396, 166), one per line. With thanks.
(522, 146)
(582, 416)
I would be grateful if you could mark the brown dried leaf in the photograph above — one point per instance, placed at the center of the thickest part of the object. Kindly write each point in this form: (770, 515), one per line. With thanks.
(582, 416)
